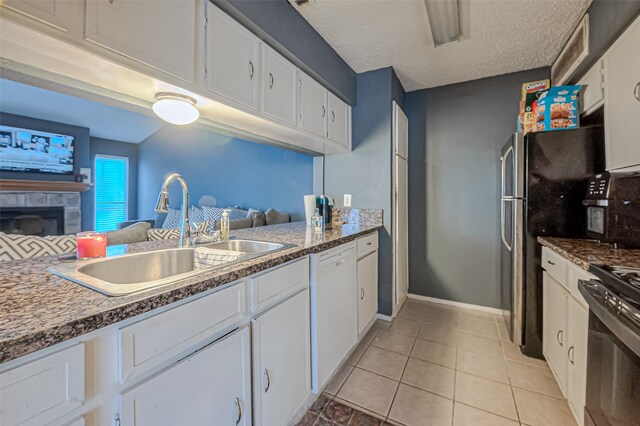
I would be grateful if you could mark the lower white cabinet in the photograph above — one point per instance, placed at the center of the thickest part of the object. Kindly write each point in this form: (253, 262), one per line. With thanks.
(281, 360)
(210, 387)
(554, 326)
(367, 272)
(578, 331)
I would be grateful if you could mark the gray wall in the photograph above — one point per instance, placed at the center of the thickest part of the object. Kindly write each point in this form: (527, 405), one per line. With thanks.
(281, 26)
(120, 149)
(233, 171)
(366, 171)
(453, 195)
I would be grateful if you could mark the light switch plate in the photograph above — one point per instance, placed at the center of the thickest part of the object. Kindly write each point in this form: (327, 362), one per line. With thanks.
(86, 172)
(347, 200)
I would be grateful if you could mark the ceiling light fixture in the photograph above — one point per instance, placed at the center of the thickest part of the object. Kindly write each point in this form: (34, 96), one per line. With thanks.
(444, 21)
(176, 108)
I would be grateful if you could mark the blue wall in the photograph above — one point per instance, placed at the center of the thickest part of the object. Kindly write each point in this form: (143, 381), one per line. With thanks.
(281, 26)
(235, 172)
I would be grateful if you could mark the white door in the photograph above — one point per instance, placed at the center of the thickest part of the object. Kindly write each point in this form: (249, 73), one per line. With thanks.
(313, 106)
(338, 121)
(622, 100)
(554, 328)
(578, 327)
(159, 34)
(282, 360)
(211, 387)
(400, 207)
(233, 55)
(367, 289)
(279, 86)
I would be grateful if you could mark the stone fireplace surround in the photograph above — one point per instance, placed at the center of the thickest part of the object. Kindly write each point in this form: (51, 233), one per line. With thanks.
(69, 200)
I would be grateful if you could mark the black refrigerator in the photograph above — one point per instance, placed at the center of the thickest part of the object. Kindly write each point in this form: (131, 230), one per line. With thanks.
(543, 182)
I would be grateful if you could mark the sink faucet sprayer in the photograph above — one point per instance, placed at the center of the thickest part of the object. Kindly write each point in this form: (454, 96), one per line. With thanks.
(162, 206)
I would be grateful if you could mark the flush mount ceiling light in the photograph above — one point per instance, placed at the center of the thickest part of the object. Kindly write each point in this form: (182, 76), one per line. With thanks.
(444, 21)
(176, 108)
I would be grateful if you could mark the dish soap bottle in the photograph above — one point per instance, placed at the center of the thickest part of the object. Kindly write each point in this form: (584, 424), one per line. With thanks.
(224, 225)
(316, 221)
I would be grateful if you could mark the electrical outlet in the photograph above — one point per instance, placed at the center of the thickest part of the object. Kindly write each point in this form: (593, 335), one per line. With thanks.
(347, 200)
(86, 172)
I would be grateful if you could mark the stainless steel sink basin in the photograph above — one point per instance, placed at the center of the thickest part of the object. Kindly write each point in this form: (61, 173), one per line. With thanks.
(130, 273)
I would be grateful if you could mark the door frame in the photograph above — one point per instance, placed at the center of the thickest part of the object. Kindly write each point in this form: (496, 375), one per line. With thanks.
(397, 300)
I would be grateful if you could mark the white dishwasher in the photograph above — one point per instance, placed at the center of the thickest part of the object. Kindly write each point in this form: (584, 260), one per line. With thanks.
(334, 310)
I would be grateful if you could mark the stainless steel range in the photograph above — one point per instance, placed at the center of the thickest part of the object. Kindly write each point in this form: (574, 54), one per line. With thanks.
(613, 361)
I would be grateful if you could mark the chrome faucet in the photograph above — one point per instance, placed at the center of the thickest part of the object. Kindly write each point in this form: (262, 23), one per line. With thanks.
(162, 206)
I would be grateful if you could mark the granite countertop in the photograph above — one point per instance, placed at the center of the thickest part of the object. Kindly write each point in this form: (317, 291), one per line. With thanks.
(584, 252)
(39, 309)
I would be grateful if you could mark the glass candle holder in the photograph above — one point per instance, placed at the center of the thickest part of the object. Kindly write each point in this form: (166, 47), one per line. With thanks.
(91, 244)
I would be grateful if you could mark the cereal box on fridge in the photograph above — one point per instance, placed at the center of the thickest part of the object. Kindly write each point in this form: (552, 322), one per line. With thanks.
(558, 109)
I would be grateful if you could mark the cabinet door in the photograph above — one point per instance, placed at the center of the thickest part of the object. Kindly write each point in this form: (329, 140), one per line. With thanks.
(554, 323)
(58, 14)
(593, 94)
(282, 360)
(339, 127)
(233, 55)
(211, 387)
(159, 34)
(279, 86)
(313, 106)
(578, 331)
(367, 289)
(622, 100)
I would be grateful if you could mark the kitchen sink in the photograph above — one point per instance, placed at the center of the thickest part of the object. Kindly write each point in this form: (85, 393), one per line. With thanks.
(131, 273)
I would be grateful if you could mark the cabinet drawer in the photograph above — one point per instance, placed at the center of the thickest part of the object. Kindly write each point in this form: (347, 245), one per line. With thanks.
(367, 244)
(151, 342)
(274, 286)
(43, 390)
(575, 274)
(555, 265)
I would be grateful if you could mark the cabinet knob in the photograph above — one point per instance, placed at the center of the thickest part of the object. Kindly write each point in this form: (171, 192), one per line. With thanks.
(239, 407)
(270, 81)
(268, 375)
(570, 354)
(559, 337)
(636, 92)
(251, 70)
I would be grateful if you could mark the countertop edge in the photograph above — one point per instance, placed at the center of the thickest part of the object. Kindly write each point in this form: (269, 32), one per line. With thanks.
(564, 253)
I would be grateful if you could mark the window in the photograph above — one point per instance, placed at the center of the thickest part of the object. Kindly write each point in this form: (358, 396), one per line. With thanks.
(112, 181)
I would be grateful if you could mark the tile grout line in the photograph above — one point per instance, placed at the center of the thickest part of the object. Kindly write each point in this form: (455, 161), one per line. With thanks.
(402, 375)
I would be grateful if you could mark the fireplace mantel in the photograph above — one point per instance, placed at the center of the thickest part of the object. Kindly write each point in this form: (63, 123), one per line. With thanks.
(43, 185)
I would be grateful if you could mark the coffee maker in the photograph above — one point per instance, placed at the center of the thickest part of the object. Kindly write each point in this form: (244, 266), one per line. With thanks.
(324, 204)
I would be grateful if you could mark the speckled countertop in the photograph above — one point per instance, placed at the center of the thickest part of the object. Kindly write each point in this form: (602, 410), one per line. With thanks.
(39, 309)
(584, 252)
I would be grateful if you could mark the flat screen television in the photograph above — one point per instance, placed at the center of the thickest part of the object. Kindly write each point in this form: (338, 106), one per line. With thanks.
(26, 150)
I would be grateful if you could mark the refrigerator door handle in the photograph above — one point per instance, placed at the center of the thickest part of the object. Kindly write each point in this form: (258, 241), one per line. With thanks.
(502, 223)
(503, 160)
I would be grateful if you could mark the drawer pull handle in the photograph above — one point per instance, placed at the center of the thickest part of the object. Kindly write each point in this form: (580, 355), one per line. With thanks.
(333, 116)
(271, 81)
(361, 293)
(570, 354)
(636, 92)
(551, 263)
(559, 335)
(251, 70)
(266, 372)
(324, 111)
(239, 410)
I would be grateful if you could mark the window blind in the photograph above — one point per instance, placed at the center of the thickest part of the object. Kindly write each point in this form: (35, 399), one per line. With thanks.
(111, 190)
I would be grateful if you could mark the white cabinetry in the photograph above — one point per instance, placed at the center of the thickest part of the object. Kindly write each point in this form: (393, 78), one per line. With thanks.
(339, 121)
(367, 272)
(282, 360)
(622, 100)
(160, 34)
(232, 59)
(58, 14)
(593, 94)
(212, 386)
(313, 106)
(279, 86)
(565, 318)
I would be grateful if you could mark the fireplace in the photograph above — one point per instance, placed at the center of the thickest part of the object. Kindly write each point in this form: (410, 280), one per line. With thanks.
(39, 221)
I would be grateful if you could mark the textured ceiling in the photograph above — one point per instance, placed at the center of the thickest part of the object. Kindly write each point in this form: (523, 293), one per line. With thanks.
(499, 36)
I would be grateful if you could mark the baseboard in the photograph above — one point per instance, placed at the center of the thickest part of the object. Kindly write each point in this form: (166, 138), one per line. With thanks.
(384, 317)
(480, 308)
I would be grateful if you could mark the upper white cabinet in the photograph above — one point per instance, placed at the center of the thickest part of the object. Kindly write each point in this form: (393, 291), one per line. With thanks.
(313, 106)
(282, 360)
(279, 86)
(593, 94)
(622, 100)
(159, 34)
(211, 387)
(58, 14)
(232, 59)
(339, 121)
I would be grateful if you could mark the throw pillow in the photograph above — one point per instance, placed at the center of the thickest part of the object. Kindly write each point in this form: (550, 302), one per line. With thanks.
(173, 219)
(247, 222)
(135, 233)
(196, 214)
(274, 217)
(237, 213)
(14, 246)
(212, 213)
(258, 217)
(174, 233)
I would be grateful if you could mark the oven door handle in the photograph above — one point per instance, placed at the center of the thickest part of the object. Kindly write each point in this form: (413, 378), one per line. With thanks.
(614, 322)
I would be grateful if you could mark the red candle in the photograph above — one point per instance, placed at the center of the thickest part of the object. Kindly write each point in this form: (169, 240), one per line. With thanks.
(91, 244)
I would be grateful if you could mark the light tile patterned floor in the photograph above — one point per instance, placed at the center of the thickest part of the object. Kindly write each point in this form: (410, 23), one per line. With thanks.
(440, 365)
